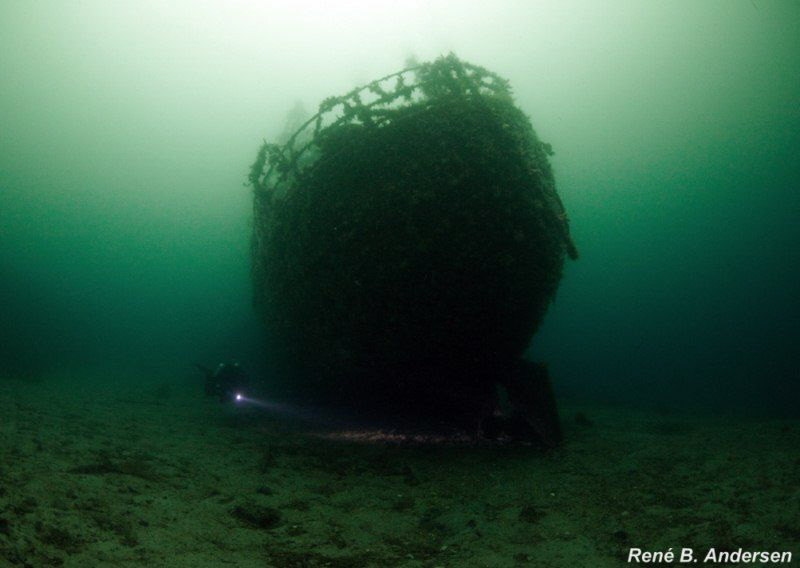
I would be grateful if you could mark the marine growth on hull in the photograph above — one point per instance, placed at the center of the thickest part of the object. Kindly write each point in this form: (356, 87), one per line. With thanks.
(407, 240)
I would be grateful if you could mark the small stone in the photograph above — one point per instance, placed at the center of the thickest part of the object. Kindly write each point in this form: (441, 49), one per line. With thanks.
(409, 477)
(257, 516)
(530, 514)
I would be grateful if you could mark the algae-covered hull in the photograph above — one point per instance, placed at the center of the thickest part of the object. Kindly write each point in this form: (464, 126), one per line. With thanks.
(407, 250)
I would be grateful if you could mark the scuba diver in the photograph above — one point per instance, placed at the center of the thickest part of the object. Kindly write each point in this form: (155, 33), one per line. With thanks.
(228, 381)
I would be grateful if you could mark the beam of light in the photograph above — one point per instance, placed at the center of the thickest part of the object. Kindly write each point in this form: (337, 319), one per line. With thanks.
(279, 408)
(309, 416)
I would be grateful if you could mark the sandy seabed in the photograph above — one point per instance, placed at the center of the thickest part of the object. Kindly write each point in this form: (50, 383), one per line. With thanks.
(159, 476)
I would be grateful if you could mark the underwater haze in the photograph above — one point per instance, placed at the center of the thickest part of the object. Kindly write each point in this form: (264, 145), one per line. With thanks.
(127, 130)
